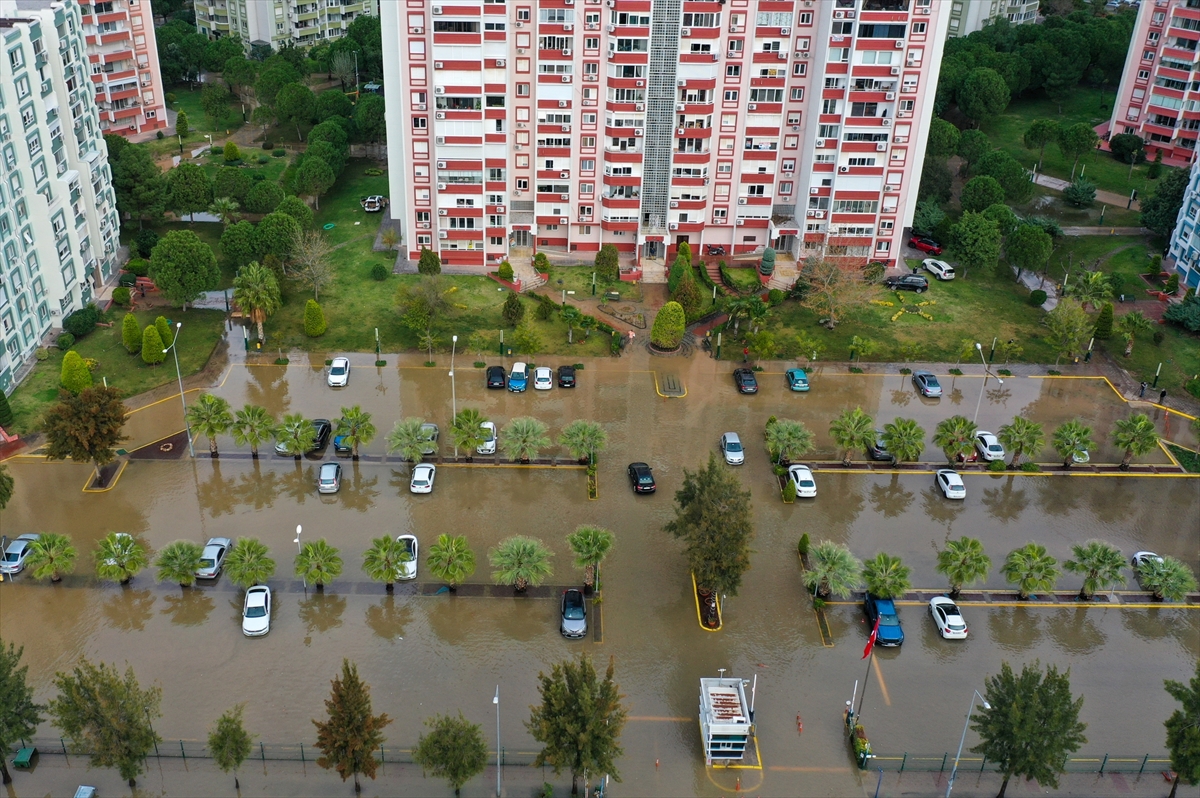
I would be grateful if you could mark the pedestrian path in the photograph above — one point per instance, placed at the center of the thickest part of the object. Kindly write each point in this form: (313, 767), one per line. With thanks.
(1107, 197)
(1105, 231)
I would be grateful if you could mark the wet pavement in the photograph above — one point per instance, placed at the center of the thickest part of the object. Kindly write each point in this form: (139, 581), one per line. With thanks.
(426, 654)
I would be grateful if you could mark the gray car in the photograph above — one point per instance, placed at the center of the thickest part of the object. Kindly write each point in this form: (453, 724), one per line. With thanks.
(212, 559)
(574, 614)
(16, 553)
(429, 434)
(330, 478)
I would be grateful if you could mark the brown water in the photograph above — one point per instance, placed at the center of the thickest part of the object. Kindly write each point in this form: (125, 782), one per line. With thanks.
(436, 654)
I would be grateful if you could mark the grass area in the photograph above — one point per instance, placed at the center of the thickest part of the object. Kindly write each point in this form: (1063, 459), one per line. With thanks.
(208, 232)
(1049, 203)
(271, 170)
(579, 280)
(744, 279)
(187, 99)
(1187, 458)
(201, 331)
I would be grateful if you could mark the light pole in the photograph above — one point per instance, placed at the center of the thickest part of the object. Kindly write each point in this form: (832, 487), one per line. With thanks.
(496, 701)
(179, 376)
(300, 529)
(986, 373)
(453, 394)
(970, 709)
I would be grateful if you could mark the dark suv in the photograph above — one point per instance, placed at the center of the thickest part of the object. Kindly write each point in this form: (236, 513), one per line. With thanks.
(495, 377)
(566, 376)
(641, 477)
(890, 631)
(907, 282)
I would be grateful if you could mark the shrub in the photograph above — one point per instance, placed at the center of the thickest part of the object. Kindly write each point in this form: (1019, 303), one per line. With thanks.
(873, 273)
(64, 341)
(121, 296)
(513, 310)
(314, 319)
(767, 265)
(131, 334)
(126, 280)
(1172, 284)
(264, 197)
(669, 325)
(541, 262)
(1158, 337)
(159, 135)
(231, 152)
(1104, 322)
(607, 264)
(263, 159)
(802, 546)
(42, 354)
(82, 321)
(546, 308)
(1186, 313)
(1030, 466)
(165, 333)
(380, 272)
(996, 465)
(171, 97)
(152, 346)
(1037, 298)
(145, 241)
(775, 297)
(429, 262)
(268, 145)
(279, 152)
(505, 272)
(138, 267)
(374, 171)
(1117, 281)
(75, 376)
(1081, 193)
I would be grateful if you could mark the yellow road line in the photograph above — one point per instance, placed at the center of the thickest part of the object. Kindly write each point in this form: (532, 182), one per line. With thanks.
(667, 396)
(111, 485)
(798, 769)
(699, 615)
(170, 398)
(887, 699)
(1079, 605)
(660, 718)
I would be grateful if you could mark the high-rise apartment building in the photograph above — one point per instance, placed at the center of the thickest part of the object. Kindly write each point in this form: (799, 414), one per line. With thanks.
(968, 16)
(1159, 97)
(122, 55)
(279, 22)
(1183, 255)
(59, 229)
(567, 124)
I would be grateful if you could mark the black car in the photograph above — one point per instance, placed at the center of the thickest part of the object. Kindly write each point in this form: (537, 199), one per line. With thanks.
(566, 376)
(877, 449)
(907, 282)
(323, 429)
(495, 377)
(641, 478)
(745, 381)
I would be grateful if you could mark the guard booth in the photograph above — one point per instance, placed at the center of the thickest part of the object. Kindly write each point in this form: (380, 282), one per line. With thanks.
(724, 720)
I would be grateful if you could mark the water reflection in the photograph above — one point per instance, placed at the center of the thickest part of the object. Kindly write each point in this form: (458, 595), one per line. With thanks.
(129, 609)
(216, 492)
(938, 508)
(452, 618)
(956, 396)
(999, 396)
(358, 492)
(1053, 500)
(891, 500)
(1157, 623)
(268, 387)
(1114, 499)
(1014, 628)
(189, 607)
(389, 617)
(1075, 630)
(901, 397)
(401, 479)
(849, 504)
(257, 489)
(297, 483)
(321, 611)
(1005, 503)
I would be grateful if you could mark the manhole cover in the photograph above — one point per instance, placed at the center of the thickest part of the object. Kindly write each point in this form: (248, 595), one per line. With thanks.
(669, 385)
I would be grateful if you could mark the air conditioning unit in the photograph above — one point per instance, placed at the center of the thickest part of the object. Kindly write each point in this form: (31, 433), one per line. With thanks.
(443, 234)
(820, 142)
(674, 204)
(681, 83)
(417, 31)
(849, 15)
(569, 2)
(564, 197)
(423, 225)
(887, 122)
(820, 214)
(420, 106)
(685, 31)
(439, 139)
(752, 106)
(566, 52)
(891, 95)
(591, 26)
(443, 212)
(611, 28)
(717, 220)
(562, 103)
(785, 31)
(799, 55)
(441, 164)
(566, 128)
(440, 115)
(441, 186)
(641, 83)
(499, 209)
(673, 226)
(680, 107)
(439, 89)
(899, 44)
(741, 222)
(520, 24)
(881, 147)
(895, 70)
(520, 51)
(639, 107)
(517, 192)
(741, 200)
(890, 188)
(568, 26)
(716, 56)
(639, 132)
(814, 190)
(439, 65)
(812, 214)
(437, 10)
(839, 14)
(564, 220)
(843, 169)
(500, 62)
(611, 3)
(781, 56)
(590, 78)
(566, 78)
(795, 128)
(679, 131)
(900, 139)
(922, 10)
(564, 175)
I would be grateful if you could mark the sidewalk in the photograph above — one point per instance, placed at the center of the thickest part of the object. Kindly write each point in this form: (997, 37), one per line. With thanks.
(1105, 231)
(1107, 197)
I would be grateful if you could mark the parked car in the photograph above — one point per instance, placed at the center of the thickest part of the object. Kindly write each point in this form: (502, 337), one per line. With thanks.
(17, 552)
(495, 377)
(802, 477)
(938, 268)
(329, 479)
(543, 378)
(988, 446)
(322, 427)
(731, 448)
(212, 558)
(489, 440)
(374, 203)
(1081, 457)
(1144, 556)
(907, 282)
(518, 377)
(745, 381)
(890, 632)
(429, 434)
(339, 372)
(877, 449)
(641, 478)
(797, 379)
(927, 384)
(949, 620)
(950, 483)
(256, 611)
(925, 245)
(574, 614)
(341, 445)
(566, 376)
(408, 567)
(423, 475)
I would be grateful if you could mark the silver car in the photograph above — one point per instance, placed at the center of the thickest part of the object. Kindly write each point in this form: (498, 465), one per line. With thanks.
(573, 614)
(408, 568)
(16, 553)
(213, 558)
(429, 434)
(330, 479)
(489, 439)
(731, 447)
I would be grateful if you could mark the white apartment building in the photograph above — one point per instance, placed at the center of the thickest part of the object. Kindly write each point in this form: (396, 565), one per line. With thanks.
(122, 54)
(279, 22)
(968, 16)
(567, 124)
(59, 229)
(1183, 255)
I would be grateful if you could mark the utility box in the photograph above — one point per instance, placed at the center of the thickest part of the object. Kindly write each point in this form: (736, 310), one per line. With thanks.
(724, 720)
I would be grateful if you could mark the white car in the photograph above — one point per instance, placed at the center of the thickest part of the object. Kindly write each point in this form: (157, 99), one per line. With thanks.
(1144, 556)
(731, 447)
(949, 620)
(256, 611)
(329, 479)
(543, 378)
(489, 439)
(988, 446)
(212, 559)
(16, 553)
(408, 568)
(422, 478)
(951, 484)
(801, 476)
(429, 434)
(339, 372)
(938, 268)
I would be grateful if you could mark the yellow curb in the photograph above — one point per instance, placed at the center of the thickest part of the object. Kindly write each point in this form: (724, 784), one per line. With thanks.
(663, 395)
(1067, 473)
(1034, 605)
(504, 465)
(112, 485)
(699, 616)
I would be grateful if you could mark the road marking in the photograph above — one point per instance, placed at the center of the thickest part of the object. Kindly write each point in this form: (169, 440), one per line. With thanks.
(660, 718)
(887, 699)
(799, 769)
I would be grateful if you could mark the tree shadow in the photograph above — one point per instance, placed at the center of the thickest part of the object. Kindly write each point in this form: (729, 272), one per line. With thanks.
(846, 510)
(1159, 623)
(938, 508)
(258, 489)
(358, 492)
(901, 397)
(297, 483)
(401, 479)
(956, 396)
(189, 607)
(1075, 630)
(388, 618)
(1014, 628)
(452, 619)
(1052, 500)
(321, 612)
(891, 500)
(129, 609)
(1004, 503)
(216, 494)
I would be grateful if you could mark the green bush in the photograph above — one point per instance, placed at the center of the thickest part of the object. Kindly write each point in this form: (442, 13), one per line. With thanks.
(546, 308)
(121, 296)
(171, 98)
(75, 376)
(873, 273)
(165, 333)
(1037, 298)
(279, 152)
(82, 321)
(767, 265)
(64, 341)
(996, 465)
(1104, 322)
(669, 326)
(802, 546)
(6, 413)
(314, 319)
(268, 145)
(131, 334)
(1030, 467)
(1081, 193)
(263, 159)
(607, 264)
(775, 297)
(138, 267)
(1158, 337)
(231, 152)
(1172, 284)
(143, 243)
(374, 171)
(159, 135)
(505, 272)
(126, 280)
(513, 310)
(380, 272)
(42, 354)
(152, 346)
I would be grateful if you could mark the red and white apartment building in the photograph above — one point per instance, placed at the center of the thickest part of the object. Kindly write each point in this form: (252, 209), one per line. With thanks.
(122, 54)
(1159, 97)
(567, 124)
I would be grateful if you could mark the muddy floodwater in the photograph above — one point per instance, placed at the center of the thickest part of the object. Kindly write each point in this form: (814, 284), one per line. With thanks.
(424, 654)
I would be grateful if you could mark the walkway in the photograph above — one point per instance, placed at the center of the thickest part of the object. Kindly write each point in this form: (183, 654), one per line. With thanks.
(1107, 197)
(1105, 231)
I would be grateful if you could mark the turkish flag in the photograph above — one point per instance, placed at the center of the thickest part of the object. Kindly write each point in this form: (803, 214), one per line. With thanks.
(871, 640)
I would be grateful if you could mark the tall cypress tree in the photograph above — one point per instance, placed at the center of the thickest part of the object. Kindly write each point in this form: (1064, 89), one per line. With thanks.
(349, 738)
(6, 413)
(1104, 322)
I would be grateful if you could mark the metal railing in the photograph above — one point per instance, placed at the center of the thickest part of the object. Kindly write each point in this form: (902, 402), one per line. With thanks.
(929, 763)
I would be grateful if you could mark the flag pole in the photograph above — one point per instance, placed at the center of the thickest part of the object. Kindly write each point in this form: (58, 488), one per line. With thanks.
(869, 656)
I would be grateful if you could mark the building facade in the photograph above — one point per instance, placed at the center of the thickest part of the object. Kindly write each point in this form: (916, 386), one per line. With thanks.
(122, 55)
(279, 22)
(1184, 252)
(567, 124)
(1158, 98)
(968, 16)
(59, 229)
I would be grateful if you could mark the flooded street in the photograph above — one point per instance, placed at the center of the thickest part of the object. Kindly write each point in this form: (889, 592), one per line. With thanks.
(428, 654)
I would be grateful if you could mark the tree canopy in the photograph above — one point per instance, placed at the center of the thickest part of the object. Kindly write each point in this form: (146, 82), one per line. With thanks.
(183, 267)
(713, 518)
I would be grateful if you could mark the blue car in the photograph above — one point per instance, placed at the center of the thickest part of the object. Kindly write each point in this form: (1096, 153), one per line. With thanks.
(518, 377)
(797, 380)
(890, 631)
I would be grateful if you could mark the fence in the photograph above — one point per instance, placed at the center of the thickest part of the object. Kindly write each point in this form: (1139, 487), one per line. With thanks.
(1106, 763)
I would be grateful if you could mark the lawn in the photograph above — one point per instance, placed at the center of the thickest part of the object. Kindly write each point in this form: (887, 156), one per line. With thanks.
(1049, 203)
(744, 279)
(579, 280)
(201, 331)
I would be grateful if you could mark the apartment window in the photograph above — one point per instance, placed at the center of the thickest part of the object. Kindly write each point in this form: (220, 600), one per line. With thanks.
(800, 69)
(839, 54)
(496, 241)
(829, 106)
(735, 47)
(1148, 55)
(16, 58)
(757, 190)
(906, 106)
(773, 46)
(523, 184)
(797, 95)
(587, 165)
(805, 18)
(918, 28)
(420, 122)
(785, 188)
(1143, 74)
(720, 213)
(424, 240)
(523, 14)
(877, 56)
(731, 96)
(733, 70)
(587, 188)
(587, 141)
(423, 217)
(724, 167)
(522, 89)
(22, 87)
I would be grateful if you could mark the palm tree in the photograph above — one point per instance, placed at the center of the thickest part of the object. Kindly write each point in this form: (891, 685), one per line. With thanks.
(356, 428)
(318, 562)
(583, 439)
(572, 317)
(51, 556)
(177, 562)
(737, 308)
(1130, 325)
(522, 439)
(905, 439)
(451, 560)
(1091, 288)
(467, 431)
(405, 439)
(1072, 439)
(296, 434)
(834, 572)
(1021, 436)
(1099, 562)
(590, 545)
(224, 208)
(256, 292)
(886, 576)
(209, 416)
(1168, 580)
(955, 436)
(384, 559)
(1031, 569)
(852, 431)
(963, 562)
(520, 561)
(249, 563)
(119, 558)
(788, 440)
(1136, 435)
(253, 425)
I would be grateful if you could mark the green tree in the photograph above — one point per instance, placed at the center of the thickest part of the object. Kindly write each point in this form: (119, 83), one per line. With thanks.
(214, 99)
(188, 189)
(1069, 327)
(1090, 288)
(1104, 323)
(467, 431)
(520, 561)
(1168, 579)
(886, 576)
(51, 556)
(256, 292)
(237, 244)
(1183, 731)
(331, 103)
(983, 95)
(210, 416)
(152, 346)
(1081, 193)
(513, 310)
(522, 438)
(453, 750)
(1040, 133)
(141, 188)
(384, 560)
(1031, 569)
(451, 560)
(833, 571)
(853, 430)
(86, 428)
(165, 333)
(108, 715)
(252, 425)
(607, 264)
(1072, 439)
(264, 197)
(314, 319)
(1100, 564)
(298, 210)
(955, 436)
(861, 347)
(788, 440)
(183, 267)
(229, 743)
(584, 439)
(1028, 248)
(20, 716)
(981, 193)
(811, 347)
(713, 518)
(963, 562)
(314, 178)
(1021, 436)
(249, 563)
(178, 561)
(75, 375)
(231, 152)
(579, 720)
(349, 738)
(295, 434)
(276, 235)
(119, 558)
(369, 118)
(929, 215)
(405, 439)
(1006, 221)
(1130, 325)
(1008, 172)
(1136, 435)
(943, 138)
(976, 240)
(668, 329)
(973, 145)
(1161, 208)
(832, 292)
(1075, 141)
(905, 439)
(294, 103)
(429, 262)
(182, 125)
(590, 545)
(319, 563)
(355, 428)
(6, 418)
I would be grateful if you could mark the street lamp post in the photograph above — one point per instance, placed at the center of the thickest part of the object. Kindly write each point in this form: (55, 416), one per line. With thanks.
(986, 373)
(179, 376)
(303, 578)
(453, 394)
(970, 709)
(496, 701)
